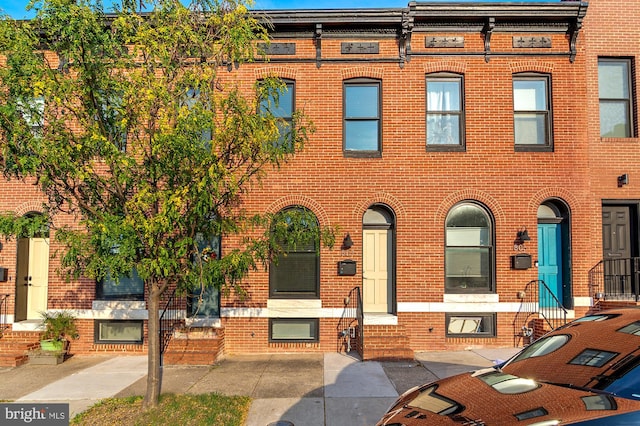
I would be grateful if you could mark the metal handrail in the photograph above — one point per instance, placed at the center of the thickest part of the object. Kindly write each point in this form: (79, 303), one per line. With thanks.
(4, 324)
(169, 318)
(616, 279)
(538, 301)
(350, 326)
(550, 308)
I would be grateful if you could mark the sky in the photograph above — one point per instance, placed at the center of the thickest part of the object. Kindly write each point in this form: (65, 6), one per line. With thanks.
(16, 8)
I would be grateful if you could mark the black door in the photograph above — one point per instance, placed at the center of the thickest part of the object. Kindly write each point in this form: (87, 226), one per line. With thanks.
(617, 252)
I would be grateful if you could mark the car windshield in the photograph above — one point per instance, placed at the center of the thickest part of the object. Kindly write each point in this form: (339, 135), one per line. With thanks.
(625, 384)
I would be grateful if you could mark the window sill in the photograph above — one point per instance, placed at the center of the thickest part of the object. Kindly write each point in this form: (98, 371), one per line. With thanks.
(533, 148)
(100, 305)
(623, 140)
(294, 303)
(471, 298)
(362, 154)
(446, 148)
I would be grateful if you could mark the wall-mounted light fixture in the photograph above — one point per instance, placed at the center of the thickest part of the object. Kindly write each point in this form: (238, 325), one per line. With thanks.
(523, 235)
(347, 243)
(623, 180)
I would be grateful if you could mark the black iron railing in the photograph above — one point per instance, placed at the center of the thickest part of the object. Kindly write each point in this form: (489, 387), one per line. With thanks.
(172, 315)
(537, 301)
(4, 316)
(616, 279)
(350, 327)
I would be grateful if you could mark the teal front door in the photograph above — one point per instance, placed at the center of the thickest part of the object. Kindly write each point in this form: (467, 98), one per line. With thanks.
(550, 260)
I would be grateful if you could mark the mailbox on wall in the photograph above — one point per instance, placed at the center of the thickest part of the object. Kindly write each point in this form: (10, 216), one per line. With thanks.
(521, 261)
(347, 267)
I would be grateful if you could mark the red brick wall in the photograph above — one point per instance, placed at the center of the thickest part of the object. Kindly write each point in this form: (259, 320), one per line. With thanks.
(420, 186)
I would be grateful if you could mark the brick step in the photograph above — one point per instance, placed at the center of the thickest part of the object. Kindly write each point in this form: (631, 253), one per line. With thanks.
(190, 358)
(194, 347)
(388, 354)
(13, 360)
(386, 343)
(21, 336)
(17, 347)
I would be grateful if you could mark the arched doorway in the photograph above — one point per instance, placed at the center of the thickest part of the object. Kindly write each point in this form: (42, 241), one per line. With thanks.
(554, 250)
(32, 275)
(378, 260)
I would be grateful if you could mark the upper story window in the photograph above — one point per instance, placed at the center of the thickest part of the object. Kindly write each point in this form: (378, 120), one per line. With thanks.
(615, 91)
(32, 112)
(110, 113)
(532, 112)
(296, 272)
(445, 112)
(191, 100)
(469, 254)
(281, 104)
(362, 124)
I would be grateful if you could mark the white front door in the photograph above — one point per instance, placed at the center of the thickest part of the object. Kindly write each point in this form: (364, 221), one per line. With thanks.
(32, 278)
(376, 271)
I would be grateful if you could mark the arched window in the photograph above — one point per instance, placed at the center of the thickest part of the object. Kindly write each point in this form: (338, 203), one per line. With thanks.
(469, 256)
(296, 271)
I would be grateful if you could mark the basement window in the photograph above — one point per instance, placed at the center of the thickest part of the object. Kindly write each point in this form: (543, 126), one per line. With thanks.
(471, 325)
(118, 331)
(293, 330)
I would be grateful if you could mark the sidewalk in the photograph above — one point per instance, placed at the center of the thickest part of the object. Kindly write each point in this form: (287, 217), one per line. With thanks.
(328, 389)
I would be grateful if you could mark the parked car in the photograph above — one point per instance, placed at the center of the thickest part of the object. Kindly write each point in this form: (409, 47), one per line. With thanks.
(584, 373)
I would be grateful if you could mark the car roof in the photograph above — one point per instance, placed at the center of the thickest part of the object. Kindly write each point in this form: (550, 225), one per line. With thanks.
(583, 351)
(493, 397)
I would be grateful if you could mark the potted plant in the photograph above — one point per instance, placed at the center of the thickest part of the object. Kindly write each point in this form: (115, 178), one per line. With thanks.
(59, 328)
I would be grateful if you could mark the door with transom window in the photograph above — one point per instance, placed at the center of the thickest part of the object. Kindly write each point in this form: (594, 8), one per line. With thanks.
(378, 261)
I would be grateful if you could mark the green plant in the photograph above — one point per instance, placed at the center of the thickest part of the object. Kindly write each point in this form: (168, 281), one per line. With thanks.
(59, 325)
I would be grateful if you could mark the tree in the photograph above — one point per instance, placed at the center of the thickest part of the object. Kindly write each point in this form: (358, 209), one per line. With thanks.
(123, 122)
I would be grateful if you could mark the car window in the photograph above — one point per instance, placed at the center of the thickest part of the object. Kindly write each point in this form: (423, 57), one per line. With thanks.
(542, 347)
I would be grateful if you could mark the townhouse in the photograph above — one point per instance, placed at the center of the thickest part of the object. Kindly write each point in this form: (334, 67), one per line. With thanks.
(478, 159)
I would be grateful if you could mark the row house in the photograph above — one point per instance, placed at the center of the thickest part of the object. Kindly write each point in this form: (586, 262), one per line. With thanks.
(466, 151)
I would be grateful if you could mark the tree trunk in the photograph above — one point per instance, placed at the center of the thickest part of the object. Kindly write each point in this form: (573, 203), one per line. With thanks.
(154, 373)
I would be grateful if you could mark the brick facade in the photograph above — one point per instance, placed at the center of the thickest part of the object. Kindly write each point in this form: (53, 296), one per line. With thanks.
(419, 186)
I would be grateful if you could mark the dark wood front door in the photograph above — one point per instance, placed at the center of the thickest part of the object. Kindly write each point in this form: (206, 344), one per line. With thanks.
(616, 232)
(617, 251)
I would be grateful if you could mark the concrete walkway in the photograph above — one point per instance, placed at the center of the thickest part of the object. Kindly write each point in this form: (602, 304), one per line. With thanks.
(328, 389)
